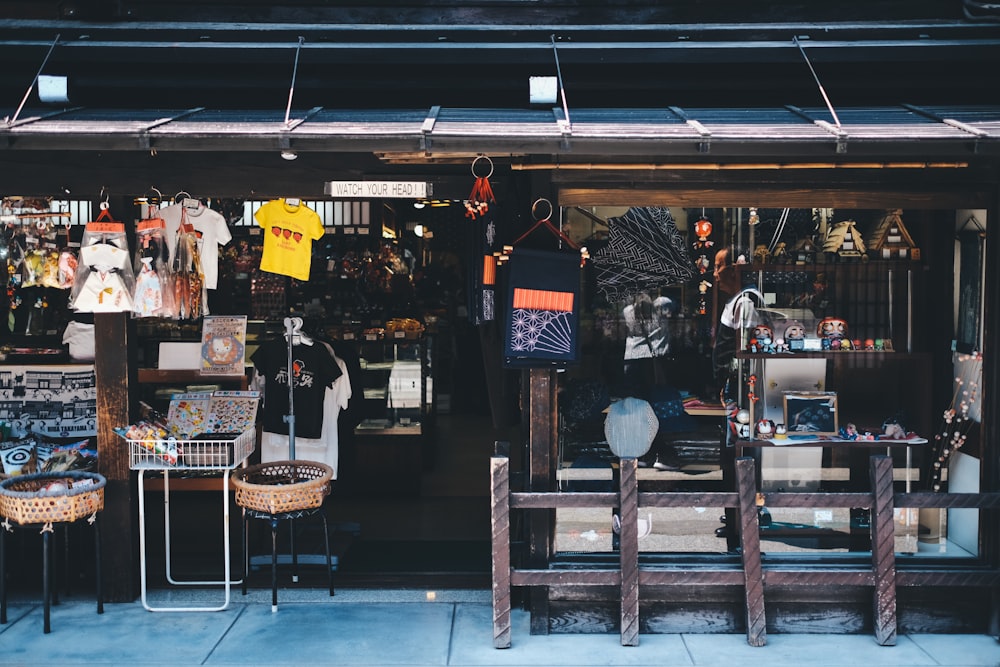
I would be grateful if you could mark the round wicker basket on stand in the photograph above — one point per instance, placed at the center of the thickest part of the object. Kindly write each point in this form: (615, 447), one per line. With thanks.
(282, 486)
(282, 491)
(48, 498)
(51, 497)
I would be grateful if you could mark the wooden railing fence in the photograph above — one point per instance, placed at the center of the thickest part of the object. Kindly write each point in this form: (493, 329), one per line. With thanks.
(751, 575)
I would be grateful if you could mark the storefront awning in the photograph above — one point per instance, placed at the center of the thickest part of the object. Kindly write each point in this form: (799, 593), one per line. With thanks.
(907, 133)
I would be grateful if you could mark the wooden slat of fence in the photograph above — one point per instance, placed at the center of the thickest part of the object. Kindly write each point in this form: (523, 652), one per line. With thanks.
(500, 522)
(548, 500)
(588, 577)
(696, 577)
(883, 551)
(628, 551)
(819, 577)
(791, 499)
(753, 574)
(948, 500)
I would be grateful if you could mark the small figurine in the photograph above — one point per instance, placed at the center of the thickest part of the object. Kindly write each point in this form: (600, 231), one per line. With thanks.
(780, 255)
(703, 229)
(795, 330)
(743, 424)
(703, 287)
(761, 255)
(844, 240)
(832, 327)
(893, 430)
(762, 331)
(765, 428)
(780, 431)
(849, 432)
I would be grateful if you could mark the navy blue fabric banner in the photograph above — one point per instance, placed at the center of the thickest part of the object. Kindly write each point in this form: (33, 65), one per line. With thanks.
(543, 313)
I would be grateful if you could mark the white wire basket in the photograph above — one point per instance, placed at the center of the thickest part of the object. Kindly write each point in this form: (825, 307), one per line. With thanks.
(224, 453)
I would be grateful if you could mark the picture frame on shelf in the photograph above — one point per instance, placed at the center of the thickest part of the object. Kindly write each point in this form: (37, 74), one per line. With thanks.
(812, 412)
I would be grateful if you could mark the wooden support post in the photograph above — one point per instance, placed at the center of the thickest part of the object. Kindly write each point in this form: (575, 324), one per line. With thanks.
(111, 371)
(753, 571)
(541, 477)
(500, 522)
(628, 551)
(883, 551)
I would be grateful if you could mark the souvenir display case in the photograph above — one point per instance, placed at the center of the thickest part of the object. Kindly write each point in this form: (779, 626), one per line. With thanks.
(836, 329)
(392, 441)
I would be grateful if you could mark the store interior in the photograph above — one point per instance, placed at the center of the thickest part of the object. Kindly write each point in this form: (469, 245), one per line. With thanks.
(392, 288)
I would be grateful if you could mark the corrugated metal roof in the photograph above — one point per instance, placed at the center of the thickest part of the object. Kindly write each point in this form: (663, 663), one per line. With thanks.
(940, 131)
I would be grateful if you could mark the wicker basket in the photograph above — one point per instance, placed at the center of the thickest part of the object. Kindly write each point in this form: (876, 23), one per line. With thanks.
(282, 486)
(25, 499)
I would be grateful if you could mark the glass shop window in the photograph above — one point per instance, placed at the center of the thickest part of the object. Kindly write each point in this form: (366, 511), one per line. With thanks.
(836, 323)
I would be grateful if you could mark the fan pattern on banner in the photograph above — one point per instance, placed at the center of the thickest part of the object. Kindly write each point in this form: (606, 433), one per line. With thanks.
(541, 331)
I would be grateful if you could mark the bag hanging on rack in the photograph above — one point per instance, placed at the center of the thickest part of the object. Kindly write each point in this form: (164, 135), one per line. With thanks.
(188, 279)
(153, 295)
(543, 314)
(103, 281)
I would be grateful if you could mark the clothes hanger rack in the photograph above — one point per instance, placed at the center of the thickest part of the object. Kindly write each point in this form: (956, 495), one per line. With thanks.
(293, 328)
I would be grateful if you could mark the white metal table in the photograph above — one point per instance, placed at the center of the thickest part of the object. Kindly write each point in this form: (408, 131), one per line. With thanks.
(187, 455)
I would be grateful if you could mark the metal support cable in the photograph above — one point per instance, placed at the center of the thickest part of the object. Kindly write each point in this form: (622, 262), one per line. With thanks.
(291, 88)
(562, 88)
(31, 87)
(822, 91)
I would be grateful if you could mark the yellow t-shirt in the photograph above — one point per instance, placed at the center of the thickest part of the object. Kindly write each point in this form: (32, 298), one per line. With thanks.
(288, 235)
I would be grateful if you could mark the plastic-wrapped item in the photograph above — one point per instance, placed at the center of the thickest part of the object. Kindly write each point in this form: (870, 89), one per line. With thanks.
(188, 277)
(154, 294)
(104, 281)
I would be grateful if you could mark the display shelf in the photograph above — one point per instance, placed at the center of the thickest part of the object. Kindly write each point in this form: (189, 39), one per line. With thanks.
(173, 376)
(826, 354)
(396, 385)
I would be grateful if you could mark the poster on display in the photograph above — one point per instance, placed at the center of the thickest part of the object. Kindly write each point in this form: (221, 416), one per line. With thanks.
(54, 401)
(223, 345)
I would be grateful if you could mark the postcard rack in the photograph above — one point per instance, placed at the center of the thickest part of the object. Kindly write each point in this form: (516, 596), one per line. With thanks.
(217, 453)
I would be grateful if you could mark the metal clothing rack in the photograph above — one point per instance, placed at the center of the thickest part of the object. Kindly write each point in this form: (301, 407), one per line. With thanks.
(293, 335)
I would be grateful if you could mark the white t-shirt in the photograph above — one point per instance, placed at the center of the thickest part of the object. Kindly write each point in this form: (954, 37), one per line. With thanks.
(212, 232)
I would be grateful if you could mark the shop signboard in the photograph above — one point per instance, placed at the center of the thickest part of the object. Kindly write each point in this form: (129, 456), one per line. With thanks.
(378, 189)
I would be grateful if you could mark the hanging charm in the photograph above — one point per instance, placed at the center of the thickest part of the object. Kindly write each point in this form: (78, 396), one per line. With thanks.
(481, 196)
(702, 247)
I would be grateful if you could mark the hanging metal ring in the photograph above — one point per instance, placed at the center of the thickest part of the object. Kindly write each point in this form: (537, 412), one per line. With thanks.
(104, 197)
(535, 207)
(476, 161)
(181, 196)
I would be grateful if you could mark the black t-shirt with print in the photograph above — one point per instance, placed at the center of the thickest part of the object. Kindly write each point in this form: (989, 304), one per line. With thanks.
(313, 368)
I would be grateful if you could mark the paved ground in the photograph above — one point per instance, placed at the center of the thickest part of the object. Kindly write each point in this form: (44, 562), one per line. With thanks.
(410, 628)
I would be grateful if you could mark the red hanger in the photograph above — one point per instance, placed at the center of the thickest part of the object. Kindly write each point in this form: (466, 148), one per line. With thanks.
(547, 224)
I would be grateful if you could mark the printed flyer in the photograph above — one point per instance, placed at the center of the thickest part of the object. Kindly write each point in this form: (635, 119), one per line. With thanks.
(223, 345)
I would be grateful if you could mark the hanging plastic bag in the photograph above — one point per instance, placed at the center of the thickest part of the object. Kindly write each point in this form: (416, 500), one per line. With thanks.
(188, 278)
(104, 281)
(154, 294)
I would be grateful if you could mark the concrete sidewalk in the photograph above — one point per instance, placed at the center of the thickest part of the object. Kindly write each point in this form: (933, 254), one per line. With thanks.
(409, 627)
